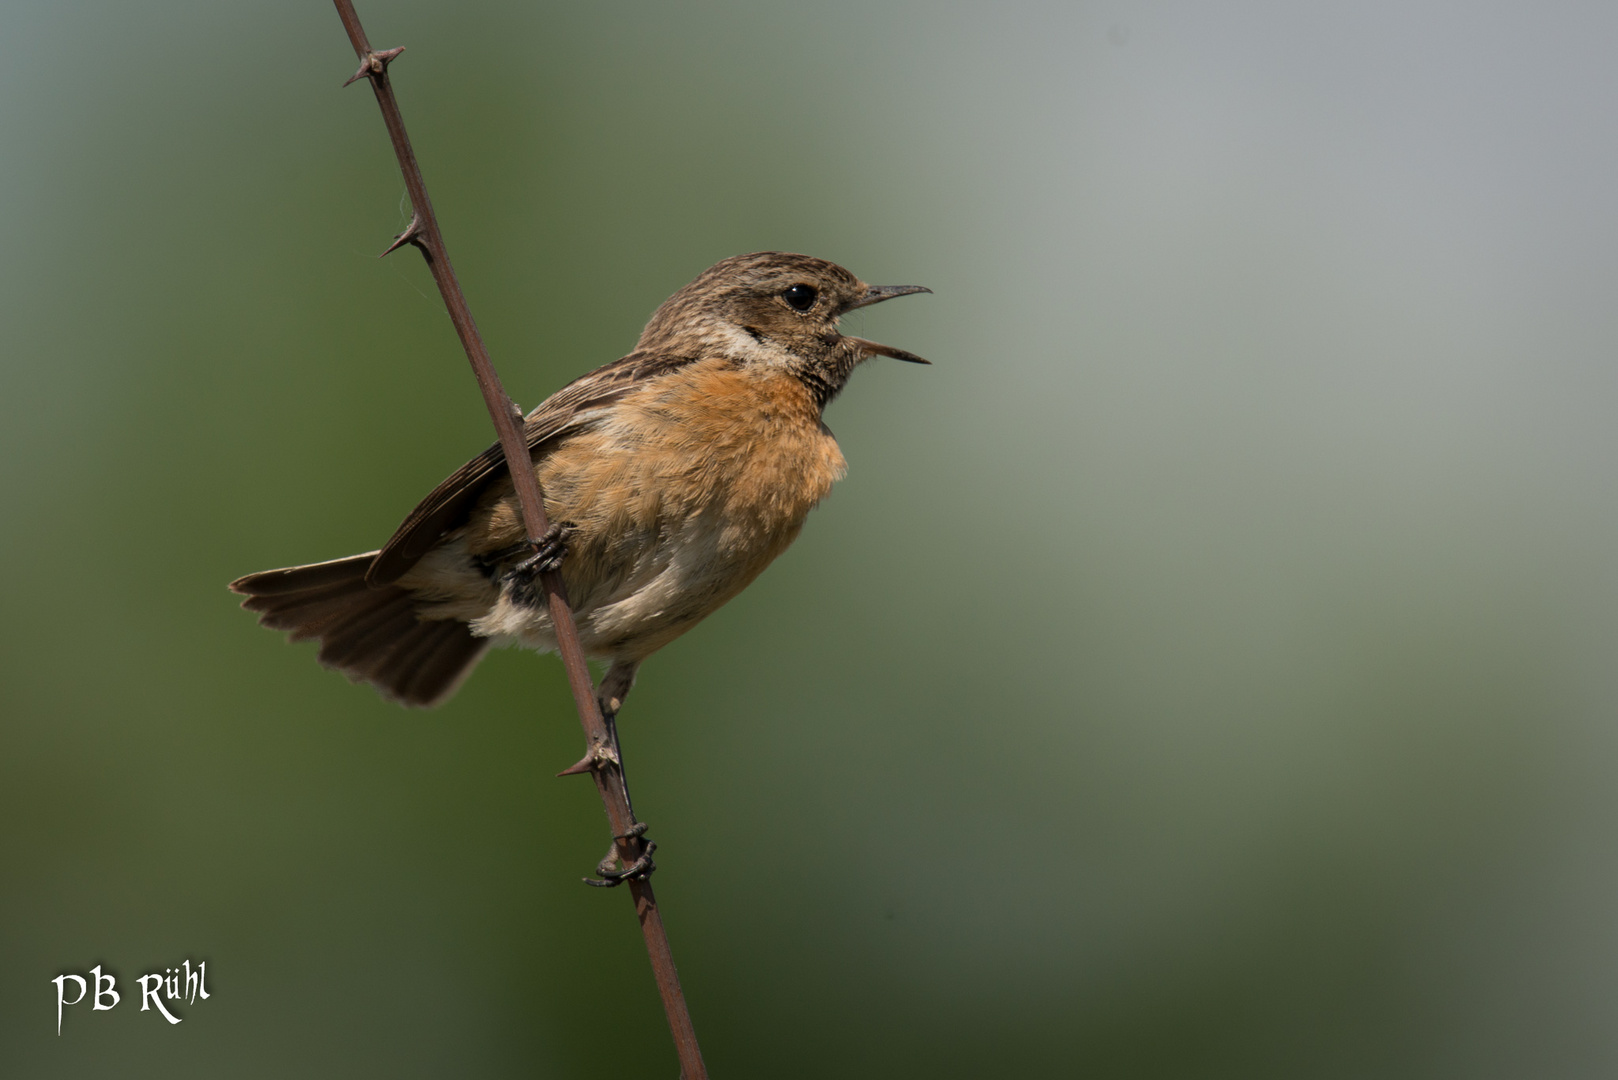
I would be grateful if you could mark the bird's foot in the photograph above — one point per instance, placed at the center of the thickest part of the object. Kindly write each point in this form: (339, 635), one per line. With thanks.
(543, 557)
(614, 873)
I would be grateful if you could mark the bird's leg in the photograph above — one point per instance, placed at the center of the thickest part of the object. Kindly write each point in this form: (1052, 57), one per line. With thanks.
(610, 694)
(614, 687)
(541, 557)
(612, 870)
(546, 554)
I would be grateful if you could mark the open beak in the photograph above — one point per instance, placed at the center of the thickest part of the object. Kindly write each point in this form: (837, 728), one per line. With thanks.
(875, 295)
(878, 293)
(871, 348)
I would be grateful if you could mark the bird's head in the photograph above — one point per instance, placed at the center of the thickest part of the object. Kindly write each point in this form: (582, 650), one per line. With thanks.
(775, 308)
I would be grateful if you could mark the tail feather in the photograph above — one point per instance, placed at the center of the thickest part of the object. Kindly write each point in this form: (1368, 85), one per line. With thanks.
(307, 617)
(366, 632)
(447, 660)
(303, 579)
(369, 634)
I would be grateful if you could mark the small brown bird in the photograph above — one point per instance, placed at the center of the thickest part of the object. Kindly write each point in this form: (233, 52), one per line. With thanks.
(674, 477)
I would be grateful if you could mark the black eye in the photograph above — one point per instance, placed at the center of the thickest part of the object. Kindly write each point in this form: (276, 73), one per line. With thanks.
(800, 297)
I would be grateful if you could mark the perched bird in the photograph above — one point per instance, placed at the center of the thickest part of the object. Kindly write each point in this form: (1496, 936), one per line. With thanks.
(674, 476)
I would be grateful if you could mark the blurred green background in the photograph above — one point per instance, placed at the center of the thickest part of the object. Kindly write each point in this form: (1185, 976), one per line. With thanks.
(1206, 670)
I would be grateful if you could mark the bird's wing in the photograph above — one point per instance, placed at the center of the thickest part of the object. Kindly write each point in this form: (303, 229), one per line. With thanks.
(570, 408)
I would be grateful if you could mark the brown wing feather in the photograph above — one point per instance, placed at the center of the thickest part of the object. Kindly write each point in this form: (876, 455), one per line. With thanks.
(572, 407)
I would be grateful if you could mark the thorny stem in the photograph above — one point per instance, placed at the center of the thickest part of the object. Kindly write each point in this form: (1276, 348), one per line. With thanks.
(605, 768)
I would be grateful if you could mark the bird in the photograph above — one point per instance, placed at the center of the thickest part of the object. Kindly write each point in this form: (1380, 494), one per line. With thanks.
(672, 477)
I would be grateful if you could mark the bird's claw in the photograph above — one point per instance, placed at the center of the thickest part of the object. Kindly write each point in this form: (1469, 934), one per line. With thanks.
(613, 873)
(546, 555)
(543, 556)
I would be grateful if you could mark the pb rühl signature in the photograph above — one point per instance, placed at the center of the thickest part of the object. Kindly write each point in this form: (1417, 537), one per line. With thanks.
(184, 983)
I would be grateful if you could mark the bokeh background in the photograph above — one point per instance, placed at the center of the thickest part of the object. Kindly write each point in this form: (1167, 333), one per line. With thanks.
(1206, 670)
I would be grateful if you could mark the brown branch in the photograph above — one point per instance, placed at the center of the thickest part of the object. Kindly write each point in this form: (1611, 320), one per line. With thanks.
(602, 759)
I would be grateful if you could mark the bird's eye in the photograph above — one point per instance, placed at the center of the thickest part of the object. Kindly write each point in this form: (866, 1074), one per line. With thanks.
(800, 297)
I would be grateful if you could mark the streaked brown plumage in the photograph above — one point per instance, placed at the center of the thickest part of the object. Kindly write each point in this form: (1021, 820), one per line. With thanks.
(680, 472)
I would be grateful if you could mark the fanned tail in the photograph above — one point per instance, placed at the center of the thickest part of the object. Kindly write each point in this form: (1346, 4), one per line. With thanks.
(369, 634)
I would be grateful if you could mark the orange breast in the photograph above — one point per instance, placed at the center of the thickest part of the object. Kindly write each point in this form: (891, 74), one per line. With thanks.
(682, 495)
